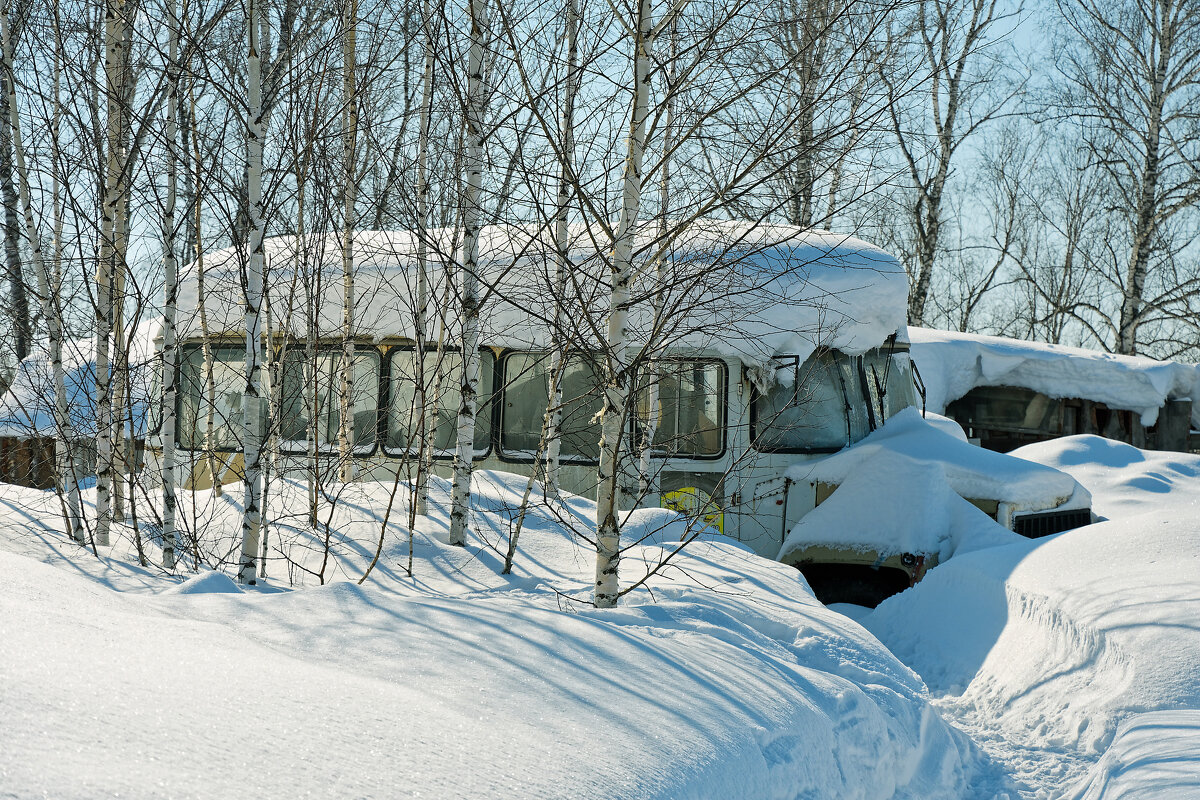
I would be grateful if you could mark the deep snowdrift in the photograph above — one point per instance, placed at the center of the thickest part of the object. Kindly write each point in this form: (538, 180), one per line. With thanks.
(1045, 648)
(722, 677)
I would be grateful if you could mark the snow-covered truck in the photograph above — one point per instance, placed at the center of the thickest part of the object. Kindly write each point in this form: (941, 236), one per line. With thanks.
(1007, 393)
(773, 350)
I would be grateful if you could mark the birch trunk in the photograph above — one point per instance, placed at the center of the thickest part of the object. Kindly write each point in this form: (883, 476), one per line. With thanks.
(47, 297)
(654, 402)
(424, 454)
(460, 506)
(110, 209)
(64, 462)
(120, 360)
(22, 320)
(210, 381)
(252, 423)
(1146, 215)
(350, 194)
(170, 290)
(616, 390)
(561, 265)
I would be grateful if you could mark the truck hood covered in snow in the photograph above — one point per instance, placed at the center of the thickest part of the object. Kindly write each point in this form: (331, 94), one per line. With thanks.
(971, 471)
(746, 289)
(919, 513)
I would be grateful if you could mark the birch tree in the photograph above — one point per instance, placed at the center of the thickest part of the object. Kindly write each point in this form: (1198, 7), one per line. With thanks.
(1133, 68)
(253, 434)
(350, 193)
(170, 291)
(566, 181)
(110, 212)
(18, 286)
(469, 298)
(953, 37)
(617, 373)
(65, 463)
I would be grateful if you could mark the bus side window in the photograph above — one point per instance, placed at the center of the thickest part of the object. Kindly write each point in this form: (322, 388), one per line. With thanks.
(404, 417)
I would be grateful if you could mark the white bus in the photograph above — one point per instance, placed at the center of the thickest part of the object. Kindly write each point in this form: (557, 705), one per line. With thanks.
(772, 346)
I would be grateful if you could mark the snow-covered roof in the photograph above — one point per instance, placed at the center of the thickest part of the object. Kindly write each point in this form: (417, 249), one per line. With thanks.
(27, 408)
(953, 364)
(748, 289)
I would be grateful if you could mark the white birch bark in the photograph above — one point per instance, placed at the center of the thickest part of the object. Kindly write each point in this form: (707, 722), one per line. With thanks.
(210, 381)
(420, 401)
(170, 290)
(654, 401)
(460, 505)
(113, 19)
(23, 193)
(65, 463)
(617, 380)
(349, 196)
(561, 245)
(252, 425)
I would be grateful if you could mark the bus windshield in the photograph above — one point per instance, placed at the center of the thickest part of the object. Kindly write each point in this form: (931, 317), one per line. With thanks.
(831, 400)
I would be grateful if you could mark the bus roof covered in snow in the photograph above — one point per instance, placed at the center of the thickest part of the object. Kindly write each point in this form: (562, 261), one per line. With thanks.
(745, 289)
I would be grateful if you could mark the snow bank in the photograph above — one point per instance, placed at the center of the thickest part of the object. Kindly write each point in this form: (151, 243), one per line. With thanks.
(27, 408)
(953, 364)
(895, 504)
(1155, 756)
(1123, 479)
(1044, 648)
(751, 290)
(721, 677)
(970, 471)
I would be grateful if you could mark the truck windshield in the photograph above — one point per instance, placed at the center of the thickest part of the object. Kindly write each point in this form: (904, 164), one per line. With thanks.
(831, 400)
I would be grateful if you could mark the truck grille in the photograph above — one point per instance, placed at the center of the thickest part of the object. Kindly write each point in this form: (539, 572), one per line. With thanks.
(1035, 526)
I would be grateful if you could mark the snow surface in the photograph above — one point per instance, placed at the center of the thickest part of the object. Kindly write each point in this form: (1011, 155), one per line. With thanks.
(1130, 480)
(953, 364)
(1051, 652)
(970, 471)
(750, 290)
(1155, 756)
(722, 677)
(874, 510)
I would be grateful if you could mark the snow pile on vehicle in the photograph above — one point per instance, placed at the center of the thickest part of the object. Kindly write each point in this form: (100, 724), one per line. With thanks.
(1044, 648)
(894, 504)
(749, 289)
(953, 364)
(721, 677)
(27, 408)
(971, 471)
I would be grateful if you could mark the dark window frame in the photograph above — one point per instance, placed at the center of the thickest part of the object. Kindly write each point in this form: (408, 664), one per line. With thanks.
(756, 395)
(857, 363)
(183, 349)
(381, 385)
(500, 394)
(723, 423)
(485, 408)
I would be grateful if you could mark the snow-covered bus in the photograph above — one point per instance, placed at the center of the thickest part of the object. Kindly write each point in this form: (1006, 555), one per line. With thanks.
(770, 347)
